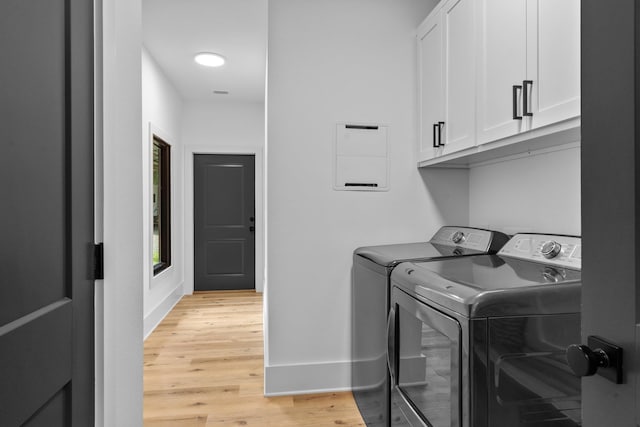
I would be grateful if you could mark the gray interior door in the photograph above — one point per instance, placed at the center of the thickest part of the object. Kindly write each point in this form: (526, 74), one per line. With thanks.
(611, 202)
(224, 221)
(46, 215)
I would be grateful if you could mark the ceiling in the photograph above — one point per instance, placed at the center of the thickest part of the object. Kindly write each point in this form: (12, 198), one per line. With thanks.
(175, 30)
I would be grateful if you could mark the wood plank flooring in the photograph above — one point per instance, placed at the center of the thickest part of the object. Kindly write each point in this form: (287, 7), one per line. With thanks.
(203, 366)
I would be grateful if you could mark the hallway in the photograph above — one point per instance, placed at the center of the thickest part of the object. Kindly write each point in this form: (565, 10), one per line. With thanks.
(203, 366)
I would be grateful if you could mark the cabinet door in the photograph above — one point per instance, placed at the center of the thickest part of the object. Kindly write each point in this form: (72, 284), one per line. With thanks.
(458, 23)
(431, 82)
(502, 64)
(553, 47)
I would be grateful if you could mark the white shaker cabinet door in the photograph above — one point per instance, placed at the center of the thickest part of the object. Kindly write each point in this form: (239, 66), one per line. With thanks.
(431, 84)
(502, 64)
(459, 23)
(553, 66)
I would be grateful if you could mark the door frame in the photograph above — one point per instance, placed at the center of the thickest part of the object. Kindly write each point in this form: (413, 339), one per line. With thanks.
(119, 212)
(189, 255)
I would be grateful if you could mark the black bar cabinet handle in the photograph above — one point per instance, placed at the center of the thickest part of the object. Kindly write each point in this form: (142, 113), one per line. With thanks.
(525, 97)
(436, 143)
(516, 88)
(440, 125)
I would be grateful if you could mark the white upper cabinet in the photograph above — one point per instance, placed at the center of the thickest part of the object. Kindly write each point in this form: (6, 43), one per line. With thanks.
(529, 66)
(446, 58)
(431, 84)
(502, 65)
(458, 23)
(497, 78)
(554, 62)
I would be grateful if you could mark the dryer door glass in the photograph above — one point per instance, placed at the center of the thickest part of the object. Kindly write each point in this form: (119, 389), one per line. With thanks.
(428, 360)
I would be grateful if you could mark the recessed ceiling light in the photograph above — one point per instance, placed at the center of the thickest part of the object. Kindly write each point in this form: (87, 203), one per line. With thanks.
(209, 59)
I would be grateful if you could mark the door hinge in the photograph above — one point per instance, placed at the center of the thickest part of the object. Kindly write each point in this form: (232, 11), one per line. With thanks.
(98, 261)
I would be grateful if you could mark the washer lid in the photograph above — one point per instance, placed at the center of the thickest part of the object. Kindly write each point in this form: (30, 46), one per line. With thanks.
(449, 241)
(491, 285)
(391, 255)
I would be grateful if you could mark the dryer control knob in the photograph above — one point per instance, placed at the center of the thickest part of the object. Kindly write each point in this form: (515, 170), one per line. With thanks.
(458, 237)
(551, 249)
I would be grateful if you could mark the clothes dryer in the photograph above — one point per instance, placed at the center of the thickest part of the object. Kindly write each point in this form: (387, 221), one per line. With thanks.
(481, 341)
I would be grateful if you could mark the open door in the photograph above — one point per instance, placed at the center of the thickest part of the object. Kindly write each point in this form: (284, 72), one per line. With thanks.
(46, 213)
(611, 203)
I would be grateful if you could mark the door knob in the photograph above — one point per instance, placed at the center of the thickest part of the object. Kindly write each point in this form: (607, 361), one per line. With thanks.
(252, 228)
(585, 362)
(605, 359)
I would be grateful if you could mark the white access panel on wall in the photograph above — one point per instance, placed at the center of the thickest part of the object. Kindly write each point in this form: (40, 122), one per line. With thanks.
(361, 160)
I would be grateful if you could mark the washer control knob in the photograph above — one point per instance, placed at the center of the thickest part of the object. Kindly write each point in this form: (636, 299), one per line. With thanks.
(551, 249)
(458, 237)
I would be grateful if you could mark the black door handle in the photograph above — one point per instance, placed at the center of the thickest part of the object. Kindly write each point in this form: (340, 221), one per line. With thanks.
(516, 88)
(525, 97)
(252, 228)
(606, 359)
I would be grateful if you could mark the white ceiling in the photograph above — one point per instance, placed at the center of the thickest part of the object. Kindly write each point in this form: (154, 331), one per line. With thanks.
(175, 30)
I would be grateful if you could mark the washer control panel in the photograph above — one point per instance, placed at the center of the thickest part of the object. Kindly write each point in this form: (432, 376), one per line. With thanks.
(563, 251)
(469, 238)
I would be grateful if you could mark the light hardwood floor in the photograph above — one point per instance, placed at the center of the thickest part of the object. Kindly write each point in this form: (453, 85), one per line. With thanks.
(203, 366)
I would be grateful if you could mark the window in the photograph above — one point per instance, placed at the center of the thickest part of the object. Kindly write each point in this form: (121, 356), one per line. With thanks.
(161, 205)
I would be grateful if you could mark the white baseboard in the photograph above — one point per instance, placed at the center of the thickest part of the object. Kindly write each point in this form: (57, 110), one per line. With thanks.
(307, 378)
(153, 319)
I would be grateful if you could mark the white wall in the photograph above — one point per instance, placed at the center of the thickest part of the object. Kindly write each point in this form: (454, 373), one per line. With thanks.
(224, 128)
(230, 124)
(119, 355)
(161, 115)
(334, 61)
(538, 192)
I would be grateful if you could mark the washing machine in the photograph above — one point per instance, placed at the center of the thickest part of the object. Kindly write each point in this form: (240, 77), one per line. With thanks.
(481, 341)
(372, 267)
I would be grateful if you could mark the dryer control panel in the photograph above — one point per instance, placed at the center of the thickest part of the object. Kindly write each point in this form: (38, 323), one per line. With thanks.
(563, 251)
(470, 238)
